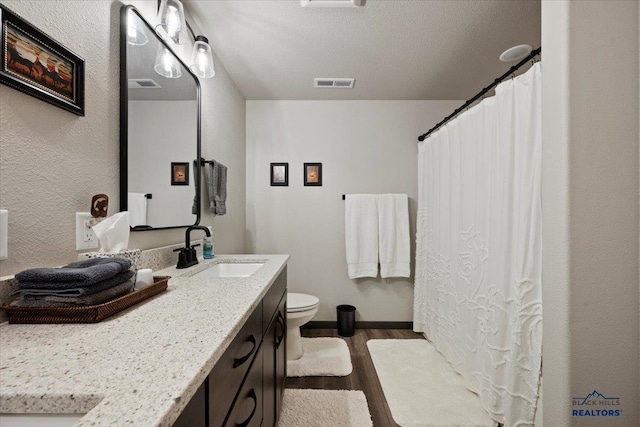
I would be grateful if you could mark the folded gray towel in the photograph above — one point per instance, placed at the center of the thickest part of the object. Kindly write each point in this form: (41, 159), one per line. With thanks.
(54, 289)
(216, 175)
(75, 275)
(58, 301)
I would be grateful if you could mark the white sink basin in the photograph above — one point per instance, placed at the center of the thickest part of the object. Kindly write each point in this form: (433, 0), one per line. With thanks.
(230, 269)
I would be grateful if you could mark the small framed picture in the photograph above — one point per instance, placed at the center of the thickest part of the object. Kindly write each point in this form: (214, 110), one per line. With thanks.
(279, 174)
(179, 173)
(34, 63)
(313, 174)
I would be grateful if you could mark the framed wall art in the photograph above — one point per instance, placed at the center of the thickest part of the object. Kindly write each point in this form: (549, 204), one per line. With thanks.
(279, 174)
(34, 63)
(179, 173)
(313, 174)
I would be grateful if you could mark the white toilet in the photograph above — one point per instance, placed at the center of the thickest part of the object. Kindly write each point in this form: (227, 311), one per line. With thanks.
(300, 309)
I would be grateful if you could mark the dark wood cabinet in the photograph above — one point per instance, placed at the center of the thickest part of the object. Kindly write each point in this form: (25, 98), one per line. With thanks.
(229, 372)
(244, 388)
(274, 342)
(247, 409)
(280, 355)
(195, 413)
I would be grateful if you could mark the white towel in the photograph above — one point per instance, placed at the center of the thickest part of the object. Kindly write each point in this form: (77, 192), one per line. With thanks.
(137, 207)
(361, 232)
(393, 232)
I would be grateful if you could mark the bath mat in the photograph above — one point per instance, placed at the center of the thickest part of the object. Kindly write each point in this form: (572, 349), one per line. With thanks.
(421, 388)
(324, 408)
(323, 357)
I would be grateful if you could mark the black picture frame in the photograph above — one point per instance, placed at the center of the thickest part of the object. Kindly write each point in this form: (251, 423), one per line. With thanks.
(279, 173)
(179, 173)
(313, 174)
(34, 63)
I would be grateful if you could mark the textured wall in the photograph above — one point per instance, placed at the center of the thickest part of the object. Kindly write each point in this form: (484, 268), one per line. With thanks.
(364, 147)
(590, 208)
(52, 162)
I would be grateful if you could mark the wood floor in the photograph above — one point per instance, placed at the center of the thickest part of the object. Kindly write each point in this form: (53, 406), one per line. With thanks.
(363, 376)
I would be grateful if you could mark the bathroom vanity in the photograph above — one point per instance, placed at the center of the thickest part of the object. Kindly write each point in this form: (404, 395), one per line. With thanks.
(208, 352)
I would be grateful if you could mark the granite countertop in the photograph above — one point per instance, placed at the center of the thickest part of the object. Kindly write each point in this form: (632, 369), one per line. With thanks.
(140, 367)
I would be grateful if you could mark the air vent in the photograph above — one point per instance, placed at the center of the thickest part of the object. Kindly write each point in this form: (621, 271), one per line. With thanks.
(334, 83)
(143, 84)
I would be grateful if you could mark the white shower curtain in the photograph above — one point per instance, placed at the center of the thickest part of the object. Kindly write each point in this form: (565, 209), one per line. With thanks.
(478, 258)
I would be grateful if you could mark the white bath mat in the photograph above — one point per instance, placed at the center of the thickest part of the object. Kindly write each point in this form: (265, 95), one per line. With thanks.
(323, 357)
(421, 388)
(324, 408)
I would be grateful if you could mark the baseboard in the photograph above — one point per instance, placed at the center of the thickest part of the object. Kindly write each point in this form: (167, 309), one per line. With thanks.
(360, 325)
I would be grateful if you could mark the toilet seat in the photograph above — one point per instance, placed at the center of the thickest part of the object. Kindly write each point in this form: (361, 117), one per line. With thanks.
(301, 302)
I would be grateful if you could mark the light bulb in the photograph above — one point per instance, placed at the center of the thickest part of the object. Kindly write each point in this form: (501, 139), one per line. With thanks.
(135, 34)
(173, 22)
(167, 64)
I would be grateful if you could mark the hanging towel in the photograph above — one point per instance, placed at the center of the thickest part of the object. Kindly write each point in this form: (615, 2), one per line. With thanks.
(361, 232)
(194, 207)
(137, 207)
(393, 232)
(216, 174)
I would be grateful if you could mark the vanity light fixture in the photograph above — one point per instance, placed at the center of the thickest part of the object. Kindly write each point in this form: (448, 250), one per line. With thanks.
(332, 3)
(166, 63)
(202, 58)
(172, 21)
(135, 34)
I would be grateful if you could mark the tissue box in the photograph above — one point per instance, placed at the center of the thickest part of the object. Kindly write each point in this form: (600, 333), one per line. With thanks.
(135, 255)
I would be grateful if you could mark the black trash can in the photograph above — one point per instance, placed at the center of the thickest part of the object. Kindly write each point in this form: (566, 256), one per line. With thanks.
(346, 320)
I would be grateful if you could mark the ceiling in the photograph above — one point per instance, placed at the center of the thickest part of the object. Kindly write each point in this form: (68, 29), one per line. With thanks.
(428, 50)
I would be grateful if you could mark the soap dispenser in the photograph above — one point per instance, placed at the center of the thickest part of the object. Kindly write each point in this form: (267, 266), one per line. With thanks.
(207, 246)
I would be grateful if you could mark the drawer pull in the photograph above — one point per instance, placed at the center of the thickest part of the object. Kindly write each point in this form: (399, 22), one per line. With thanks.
(240, 361)
(280, 322)
(252, 395)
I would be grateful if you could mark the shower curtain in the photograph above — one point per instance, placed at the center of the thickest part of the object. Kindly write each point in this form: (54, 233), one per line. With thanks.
(478, 258)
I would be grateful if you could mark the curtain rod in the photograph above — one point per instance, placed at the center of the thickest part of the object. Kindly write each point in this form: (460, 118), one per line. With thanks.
(513, 69)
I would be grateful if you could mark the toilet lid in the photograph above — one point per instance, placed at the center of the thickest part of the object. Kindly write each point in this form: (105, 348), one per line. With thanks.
(300, 302)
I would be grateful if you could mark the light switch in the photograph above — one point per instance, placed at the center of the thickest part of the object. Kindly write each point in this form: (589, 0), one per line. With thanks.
(4, 231)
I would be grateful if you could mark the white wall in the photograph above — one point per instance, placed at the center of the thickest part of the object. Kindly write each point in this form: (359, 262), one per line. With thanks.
(164, 132)
(590, 208)
(52, 161)
(364, 147)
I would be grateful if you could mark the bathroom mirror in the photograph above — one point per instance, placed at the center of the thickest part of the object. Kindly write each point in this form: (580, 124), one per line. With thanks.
(159, 130)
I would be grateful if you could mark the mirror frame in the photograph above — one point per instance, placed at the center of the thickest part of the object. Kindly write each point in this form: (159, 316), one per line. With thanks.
(124, 120)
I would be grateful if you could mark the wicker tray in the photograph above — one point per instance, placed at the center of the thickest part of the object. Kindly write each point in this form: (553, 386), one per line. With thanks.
(88, 314)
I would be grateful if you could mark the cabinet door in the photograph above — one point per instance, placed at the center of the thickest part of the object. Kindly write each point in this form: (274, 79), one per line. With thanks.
(269, 384)
(247, 409)
(273, 298)
(194, 414)
(281, 353)
(227, 375)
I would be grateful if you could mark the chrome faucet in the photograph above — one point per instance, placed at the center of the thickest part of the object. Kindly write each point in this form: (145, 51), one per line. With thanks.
(187, 256)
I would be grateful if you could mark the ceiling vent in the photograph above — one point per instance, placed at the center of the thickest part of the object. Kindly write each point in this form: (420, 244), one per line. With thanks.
(334, 83)
(143, 84)
(332, 3)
